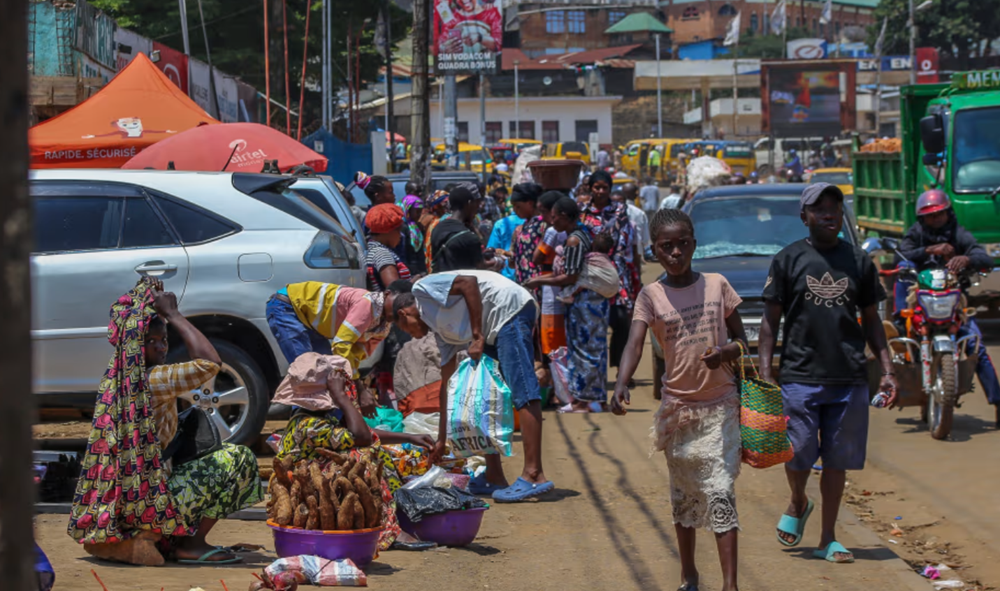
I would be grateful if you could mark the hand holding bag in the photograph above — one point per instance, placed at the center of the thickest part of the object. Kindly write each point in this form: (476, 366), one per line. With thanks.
(197, 437)
(763, 424)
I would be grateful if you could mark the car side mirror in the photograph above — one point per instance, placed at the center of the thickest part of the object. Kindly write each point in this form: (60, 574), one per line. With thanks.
(932, 133)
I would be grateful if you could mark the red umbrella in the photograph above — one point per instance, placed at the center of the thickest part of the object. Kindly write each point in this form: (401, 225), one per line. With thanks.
(233, 147)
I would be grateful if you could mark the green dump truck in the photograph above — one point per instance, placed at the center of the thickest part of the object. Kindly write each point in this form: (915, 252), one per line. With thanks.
(951, 141)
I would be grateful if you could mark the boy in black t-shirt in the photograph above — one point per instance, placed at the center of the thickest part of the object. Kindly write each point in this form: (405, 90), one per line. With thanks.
(821, 285)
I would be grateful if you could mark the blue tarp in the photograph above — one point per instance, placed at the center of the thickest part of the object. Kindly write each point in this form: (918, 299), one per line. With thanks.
(344, 159)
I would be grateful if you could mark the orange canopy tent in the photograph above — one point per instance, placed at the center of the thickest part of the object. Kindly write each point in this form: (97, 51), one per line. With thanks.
(139, 107)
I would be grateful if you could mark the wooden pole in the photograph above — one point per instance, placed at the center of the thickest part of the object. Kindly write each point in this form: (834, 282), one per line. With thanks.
(302, 86)
(288, 86)
(267, 65)
(420, 123)
(17, 405)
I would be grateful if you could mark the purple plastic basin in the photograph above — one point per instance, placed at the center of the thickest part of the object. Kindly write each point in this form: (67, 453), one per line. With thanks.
(359, 545)
(454, 528)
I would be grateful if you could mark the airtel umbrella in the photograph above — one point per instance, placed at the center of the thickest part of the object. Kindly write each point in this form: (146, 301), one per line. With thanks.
(230, 147)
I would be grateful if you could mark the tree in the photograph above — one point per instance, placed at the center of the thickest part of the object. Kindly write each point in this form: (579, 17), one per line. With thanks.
(955, 27)
(770, 46)
(236, 38)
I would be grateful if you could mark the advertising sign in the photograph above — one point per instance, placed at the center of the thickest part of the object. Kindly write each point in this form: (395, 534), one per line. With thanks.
(809, 99)
(225, 90)
(927, 65)
(807, 49)
(174, 64)
(95, 34)
(890, 63)
(467, 36)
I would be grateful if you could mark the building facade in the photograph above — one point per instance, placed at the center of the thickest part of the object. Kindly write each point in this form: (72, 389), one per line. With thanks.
(541, 28)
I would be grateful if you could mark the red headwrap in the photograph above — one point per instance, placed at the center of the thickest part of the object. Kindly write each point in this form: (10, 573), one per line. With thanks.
(384, 218)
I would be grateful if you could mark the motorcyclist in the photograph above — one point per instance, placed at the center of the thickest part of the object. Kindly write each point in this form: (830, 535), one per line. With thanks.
(938, 240)
(794, 167)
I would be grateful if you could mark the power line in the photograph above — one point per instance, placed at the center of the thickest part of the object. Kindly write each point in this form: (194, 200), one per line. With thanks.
(211, 22)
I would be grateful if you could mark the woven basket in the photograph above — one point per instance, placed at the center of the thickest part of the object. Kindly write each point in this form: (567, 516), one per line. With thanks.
(763, 424)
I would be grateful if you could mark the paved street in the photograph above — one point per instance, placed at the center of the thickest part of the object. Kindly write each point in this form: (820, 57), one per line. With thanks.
(608, 525)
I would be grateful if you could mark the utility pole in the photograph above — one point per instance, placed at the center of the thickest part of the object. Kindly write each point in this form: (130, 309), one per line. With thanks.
(420, 160)
(659, 92)
(17, 405)
(390, 125)
(211, 70)
(517, 104)
(913, 44)
(482, 118)
(451, 119)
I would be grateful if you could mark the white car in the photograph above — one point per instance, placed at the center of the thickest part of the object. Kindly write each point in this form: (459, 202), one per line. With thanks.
(223, 242)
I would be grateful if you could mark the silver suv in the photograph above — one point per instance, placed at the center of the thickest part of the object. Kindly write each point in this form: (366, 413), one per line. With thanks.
(223, 242)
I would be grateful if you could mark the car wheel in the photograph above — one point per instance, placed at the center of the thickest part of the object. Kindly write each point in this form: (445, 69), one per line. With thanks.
(237, 400)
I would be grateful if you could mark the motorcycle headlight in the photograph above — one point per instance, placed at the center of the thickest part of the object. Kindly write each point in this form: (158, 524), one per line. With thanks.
(939, 306)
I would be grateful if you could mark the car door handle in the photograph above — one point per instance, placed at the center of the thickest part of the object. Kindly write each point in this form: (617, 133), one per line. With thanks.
(155, 266)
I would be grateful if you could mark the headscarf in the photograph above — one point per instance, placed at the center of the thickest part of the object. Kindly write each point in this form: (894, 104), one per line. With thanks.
(384, 218)
(361, 179)
(122, 493)
(600, 175)
(440, 197)
(307, 382)
(409, 203)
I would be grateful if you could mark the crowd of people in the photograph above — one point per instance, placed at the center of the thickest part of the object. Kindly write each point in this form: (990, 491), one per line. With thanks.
(518, 278)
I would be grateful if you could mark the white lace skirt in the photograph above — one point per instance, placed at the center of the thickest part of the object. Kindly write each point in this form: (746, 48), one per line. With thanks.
(703, 455)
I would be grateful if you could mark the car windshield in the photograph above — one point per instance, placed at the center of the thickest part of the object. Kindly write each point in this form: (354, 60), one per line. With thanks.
(977, 150)
(574, 147)
(747, 225)
(834, 178)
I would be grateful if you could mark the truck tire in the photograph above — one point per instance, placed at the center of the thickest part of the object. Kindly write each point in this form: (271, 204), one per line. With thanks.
(240, 380)
(940, 414)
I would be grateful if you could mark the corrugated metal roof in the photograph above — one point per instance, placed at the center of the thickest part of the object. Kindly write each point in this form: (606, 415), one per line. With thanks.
(638, 22)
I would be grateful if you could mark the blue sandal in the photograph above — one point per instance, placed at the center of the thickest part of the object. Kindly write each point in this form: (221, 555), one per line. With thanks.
(833, 548)
(795, 526)
(479, 486)
(522, 490)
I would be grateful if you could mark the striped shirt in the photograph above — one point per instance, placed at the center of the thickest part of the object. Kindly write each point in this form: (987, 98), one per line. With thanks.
(379, 256)
(351, 318)
(574, 257)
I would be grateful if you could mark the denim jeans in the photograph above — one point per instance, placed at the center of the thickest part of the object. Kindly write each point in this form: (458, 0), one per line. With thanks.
(902, 288)
(984, 366)
(515, 350)
(294, 338)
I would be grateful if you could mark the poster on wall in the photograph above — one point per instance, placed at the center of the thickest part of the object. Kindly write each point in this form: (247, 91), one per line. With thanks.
(172, 63)
(807, 49)
(225, 91)
(808, 100)
(467, 36)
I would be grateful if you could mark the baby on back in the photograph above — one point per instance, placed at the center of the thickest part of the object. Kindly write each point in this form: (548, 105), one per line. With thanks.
(599, 272)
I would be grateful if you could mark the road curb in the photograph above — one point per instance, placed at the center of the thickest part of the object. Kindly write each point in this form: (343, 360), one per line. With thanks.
(866, 537)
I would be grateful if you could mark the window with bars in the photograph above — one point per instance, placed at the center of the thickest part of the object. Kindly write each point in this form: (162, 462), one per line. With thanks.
(555, 21)
(754, 22)
(550, 132)
(576, 21)
(614, 16)
(527, 131)
(462, 131)
(494, 132)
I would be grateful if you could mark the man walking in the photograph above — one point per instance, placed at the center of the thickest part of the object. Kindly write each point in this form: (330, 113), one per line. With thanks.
(640, 221)
(484, 312)
(650, 197)
(821, 285)
(653, 161)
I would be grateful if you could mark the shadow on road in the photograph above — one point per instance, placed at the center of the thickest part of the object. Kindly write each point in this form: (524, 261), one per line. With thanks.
(621, 540)
(964, 427)
(877, 554)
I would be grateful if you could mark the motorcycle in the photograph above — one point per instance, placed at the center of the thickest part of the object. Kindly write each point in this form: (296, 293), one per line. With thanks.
(933, 366)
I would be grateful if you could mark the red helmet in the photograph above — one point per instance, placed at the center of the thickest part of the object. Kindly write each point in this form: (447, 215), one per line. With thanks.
(932, 201)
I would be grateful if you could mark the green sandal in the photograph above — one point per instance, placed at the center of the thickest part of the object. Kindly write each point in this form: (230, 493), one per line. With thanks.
(795, 526)
(833, 548)
(204, 558)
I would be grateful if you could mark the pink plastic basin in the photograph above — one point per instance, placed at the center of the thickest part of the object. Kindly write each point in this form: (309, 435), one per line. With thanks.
(454, 528)
(358, 545)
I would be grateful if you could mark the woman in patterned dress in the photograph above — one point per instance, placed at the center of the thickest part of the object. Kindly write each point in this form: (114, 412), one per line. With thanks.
(128, 496)
(524, 200)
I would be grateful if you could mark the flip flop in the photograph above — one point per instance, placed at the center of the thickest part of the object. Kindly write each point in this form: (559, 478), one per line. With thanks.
(418, 546)
(204, 558)
(833, 548)
(795, 526)
(570, 409)
(522, 490)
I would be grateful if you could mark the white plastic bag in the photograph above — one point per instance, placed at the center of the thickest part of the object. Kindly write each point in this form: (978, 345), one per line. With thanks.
(421, 424)
(480, 410)
(559, 364)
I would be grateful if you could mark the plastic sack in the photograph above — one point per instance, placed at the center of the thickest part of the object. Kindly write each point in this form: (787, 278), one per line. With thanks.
(421, 424)
(386, 419)
(44, 571)
(599, 275)
(322, 572)
(707, 171)
(480, 410)
(559, 365)
(426, 480)
(422, 502)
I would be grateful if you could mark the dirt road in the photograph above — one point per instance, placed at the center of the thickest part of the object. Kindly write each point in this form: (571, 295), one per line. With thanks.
(607, 527)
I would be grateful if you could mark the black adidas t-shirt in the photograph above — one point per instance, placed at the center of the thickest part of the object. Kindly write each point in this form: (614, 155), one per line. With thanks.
(822, 293)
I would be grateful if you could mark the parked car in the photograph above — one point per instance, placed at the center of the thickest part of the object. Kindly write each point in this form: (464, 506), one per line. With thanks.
(739, 229)
(322, 192)
(223, 242)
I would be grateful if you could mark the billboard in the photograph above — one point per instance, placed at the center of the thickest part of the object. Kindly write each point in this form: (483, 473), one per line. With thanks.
(807, 49)
(467, 36)
(813, 98)
(174, 64)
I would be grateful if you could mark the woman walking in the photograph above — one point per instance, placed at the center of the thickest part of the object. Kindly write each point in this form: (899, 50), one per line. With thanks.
(586, 316)
(524, 200)
(552, 325)
(695, 321)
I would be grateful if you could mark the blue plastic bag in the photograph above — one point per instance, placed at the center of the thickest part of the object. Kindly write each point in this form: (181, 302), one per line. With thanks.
(480, 410)
(386, 419)
(43, 570)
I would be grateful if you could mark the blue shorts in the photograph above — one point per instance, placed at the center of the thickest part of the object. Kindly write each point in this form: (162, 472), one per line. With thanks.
(829, 422)
(294, 338)
(515, 350)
